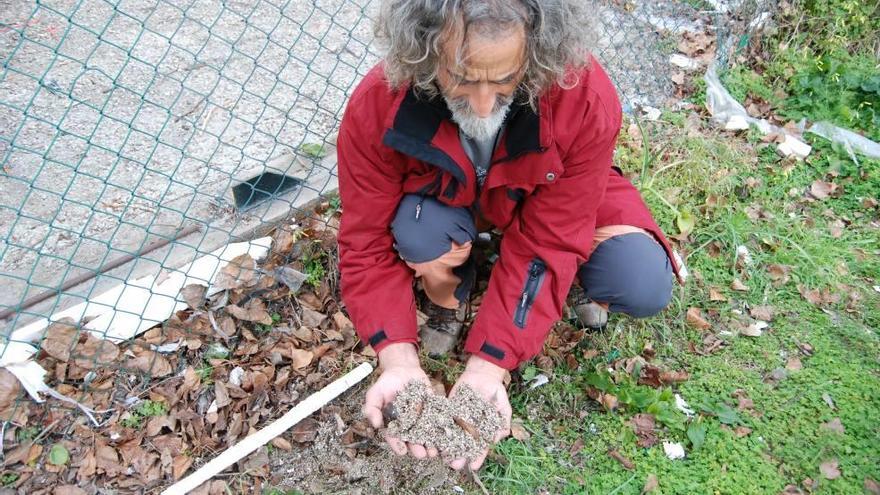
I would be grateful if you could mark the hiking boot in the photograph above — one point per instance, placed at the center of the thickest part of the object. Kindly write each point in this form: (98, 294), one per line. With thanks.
(440, 334)
(591, 315)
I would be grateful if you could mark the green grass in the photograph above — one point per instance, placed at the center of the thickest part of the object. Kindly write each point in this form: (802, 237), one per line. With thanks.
(717, 178)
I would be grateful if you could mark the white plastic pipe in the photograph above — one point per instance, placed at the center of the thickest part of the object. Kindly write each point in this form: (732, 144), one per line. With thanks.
(278, 427)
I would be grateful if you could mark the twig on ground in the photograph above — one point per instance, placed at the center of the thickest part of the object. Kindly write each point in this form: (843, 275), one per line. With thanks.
(476, 478)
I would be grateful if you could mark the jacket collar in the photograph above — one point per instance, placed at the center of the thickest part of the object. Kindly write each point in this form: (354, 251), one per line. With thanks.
(415, 122)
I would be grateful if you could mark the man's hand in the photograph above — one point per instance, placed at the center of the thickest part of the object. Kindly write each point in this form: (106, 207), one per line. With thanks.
(487, 380)
(400, 365)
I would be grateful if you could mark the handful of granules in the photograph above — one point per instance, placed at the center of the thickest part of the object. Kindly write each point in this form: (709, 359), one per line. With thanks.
(461, 426)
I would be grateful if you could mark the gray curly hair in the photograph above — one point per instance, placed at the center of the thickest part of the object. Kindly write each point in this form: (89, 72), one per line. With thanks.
(412, 33)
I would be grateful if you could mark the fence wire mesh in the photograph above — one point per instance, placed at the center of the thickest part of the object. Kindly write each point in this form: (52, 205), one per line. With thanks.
(139, 136)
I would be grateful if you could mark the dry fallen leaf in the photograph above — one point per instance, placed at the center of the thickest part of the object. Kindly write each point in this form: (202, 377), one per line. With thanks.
(738, 286)
(180, 465)
(240, 272)
(742, 431)
(751, 331)
(668, 377)
(94, 352)
(60, 339)
(10, 388)
(779, 274)
(68, 490)
(716, 296)
(590, 354)
(835, 425)
(695, 318)
(305, 431)
(651, 484)
(194, 295)
(254, 310)
(312, 318)
(300, 358)
(643, 426)
(836, 228)
(830, 469)
(282, 443)
(765, 313)
(794, 364)
(518, 431)
(822, 190)
(609, 401)
(627, 464)
(576, 447)
(150, 362)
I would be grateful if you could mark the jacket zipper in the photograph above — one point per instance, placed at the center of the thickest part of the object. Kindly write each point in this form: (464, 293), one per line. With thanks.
(530, 292)
(419, 208)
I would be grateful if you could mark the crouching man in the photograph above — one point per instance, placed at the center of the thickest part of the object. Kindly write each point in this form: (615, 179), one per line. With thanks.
(486, 114)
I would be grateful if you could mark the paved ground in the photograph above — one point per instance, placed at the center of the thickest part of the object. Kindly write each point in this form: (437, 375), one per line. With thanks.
(120, 125)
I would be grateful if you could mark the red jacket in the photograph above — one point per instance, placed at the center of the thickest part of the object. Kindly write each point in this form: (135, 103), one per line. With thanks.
(548, 178)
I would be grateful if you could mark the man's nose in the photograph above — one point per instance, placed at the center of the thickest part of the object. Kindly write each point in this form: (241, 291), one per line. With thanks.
(483, 101)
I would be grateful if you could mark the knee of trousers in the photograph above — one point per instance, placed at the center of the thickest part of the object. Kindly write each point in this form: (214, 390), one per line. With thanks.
(632, 273)
(424, 228)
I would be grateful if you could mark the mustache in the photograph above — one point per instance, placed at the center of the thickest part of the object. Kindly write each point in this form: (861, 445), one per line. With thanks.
(462, 105)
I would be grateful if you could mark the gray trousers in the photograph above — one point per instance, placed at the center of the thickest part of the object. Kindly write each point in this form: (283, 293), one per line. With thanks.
(629, 272)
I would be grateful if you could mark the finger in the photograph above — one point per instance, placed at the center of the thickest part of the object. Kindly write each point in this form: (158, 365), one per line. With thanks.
(501, 434)
(432, 452)
(417, 451)
(373, 404)
(397, 446)
(476, 463)
(458, 464)
(373, 415)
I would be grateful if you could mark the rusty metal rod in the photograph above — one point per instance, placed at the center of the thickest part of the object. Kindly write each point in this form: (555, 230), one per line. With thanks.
(33, 301)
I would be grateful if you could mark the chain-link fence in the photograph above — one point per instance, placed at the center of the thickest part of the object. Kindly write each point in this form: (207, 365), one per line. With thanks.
(137, 137)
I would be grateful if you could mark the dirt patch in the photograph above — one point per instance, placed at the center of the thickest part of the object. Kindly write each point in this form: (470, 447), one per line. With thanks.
(347, 456)
(462, 426)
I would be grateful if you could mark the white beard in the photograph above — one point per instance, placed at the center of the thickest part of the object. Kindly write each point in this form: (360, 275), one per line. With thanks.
(481, 129)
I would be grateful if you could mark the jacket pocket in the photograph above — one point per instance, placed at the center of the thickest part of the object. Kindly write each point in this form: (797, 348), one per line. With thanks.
(534, 280)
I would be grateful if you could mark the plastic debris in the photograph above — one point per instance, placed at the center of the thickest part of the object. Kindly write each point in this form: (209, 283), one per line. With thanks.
(683, 62)
(756, 329)
(673, 451)
(539, 381)
(682, 268)
(293, 279)
(31, 376)
(651, 113)
(167, 348)
(854, 143)
(731, 115)
(683, 406)
(236, 375)
(743, 253)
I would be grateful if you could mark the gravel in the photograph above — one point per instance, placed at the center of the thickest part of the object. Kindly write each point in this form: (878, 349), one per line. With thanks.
(459, 427)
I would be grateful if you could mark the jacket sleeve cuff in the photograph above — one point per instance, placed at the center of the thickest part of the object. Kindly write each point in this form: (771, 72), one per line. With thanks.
(496, 353)
(382, 338)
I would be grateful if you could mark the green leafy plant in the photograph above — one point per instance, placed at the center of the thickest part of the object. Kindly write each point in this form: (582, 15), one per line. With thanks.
(27, 434)
(204, 371)
(146, 409)
(8, 479)
(313, 150)
(638, 398)
(59, 455)
(313, 266)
